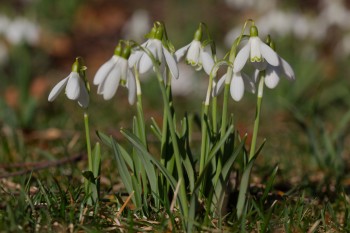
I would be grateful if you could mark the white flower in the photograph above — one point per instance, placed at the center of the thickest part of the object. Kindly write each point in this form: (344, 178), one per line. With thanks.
(75, 89)
(116, 70)
(160, 53)
(239, 83)
(258, 52)
(196, 55)
(22, 30)
(273, 73)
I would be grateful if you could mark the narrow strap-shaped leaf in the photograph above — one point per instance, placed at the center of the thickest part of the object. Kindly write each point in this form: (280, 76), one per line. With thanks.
(228, 164)
(243, 187)
(104, 138)
(137, 143)
(122, 168)
(211, 155)
(156, 130)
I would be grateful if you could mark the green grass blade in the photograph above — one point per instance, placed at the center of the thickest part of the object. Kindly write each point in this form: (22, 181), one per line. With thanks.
(138, 145)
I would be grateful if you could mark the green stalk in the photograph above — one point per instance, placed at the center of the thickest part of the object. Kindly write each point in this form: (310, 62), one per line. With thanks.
(88, 143)
(257, 117)
(182, 193)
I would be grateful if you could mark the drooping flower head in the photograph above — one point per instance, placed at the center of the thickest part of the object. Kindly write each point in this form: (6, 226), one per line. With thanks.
(158, 49)
(259, 53)
(114, 72)
(273, 73)
(197, 53)
(75, 83)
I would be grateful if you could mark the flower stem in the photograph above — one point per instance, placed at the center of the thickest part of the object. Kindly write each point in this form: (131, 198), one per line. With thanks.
(257, 116)
(88, 143)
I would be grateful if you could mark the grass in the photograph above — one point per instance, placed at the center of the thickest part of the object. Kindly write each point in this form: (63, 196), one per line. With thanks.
(300, 184)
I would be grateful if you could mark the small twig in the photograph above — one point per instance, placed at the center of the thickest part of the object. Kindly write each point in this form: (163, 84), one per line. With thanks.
(39, 165)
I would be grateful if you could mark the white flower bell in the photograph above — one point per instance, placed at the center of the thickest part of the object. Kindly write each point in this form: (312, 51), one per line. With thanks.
(239, 82)
(74, 84)
(197, 55)
(115, 71)
(260, 54)
(159, 52)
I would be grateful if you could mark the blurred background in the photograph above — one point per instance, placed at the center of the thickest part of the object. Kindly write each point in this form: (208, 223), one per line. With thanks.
(305, 122)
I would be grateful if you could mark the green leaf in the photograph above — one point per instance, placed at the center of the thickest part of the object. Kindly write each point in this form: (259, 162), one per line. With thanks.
(243, 187)
(144, 153)
(104, 138)
(211, 155)
(269, 183)
(89, 175)
(122, 168)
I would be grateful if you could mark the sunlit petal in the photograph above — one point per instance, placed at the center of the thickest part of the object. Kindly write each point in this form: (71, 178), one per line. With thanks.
(241, 58)
(255, 53)
(271, 77)
(145, 63)
(56, 90)
(103, 71)
(207, 61)
(270, 56)
(219, 86)
(111, 84)
(174, 70)
(134, 58)
(73, 87)
(193, 53)
(237, 87)
(180, 53)
(131, 85)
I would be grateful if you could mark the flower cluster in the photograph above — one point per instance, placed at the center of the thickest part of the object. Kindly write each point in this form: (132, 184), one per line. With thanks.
(263, 58)
(118, 70)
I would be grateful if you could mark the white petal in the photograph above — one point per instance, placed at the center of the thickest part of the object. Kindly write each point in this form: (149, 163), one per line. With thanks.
(237, 87)
(271, 77)
(207, 61)
(111, 84)
(255, 52)
(83, 99)
(249, 84)
(287, 69)
(256, 76)
(220, 85)
(180, 53)
(134, 58)
(193, 53)
(158, 52)
(73, 87)
(103, 71)
(174, 70)
(57, 89)
(145, 63)
(131, 84)
(270, 56)
(123, 66)
(241, 58)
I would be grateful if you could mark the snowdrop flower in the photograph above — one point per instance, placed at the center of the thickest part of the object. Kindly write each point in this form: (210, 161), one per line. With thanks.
(239, 83)
(114, 72)
(197, 55)
(22, 30)
(74, 84)
(273, 73)
(161, 54)
(258, 52)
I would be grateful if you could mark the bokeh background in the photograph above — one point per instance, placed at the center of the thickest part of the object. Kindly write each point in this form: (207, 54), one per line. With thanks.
(305, 122)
